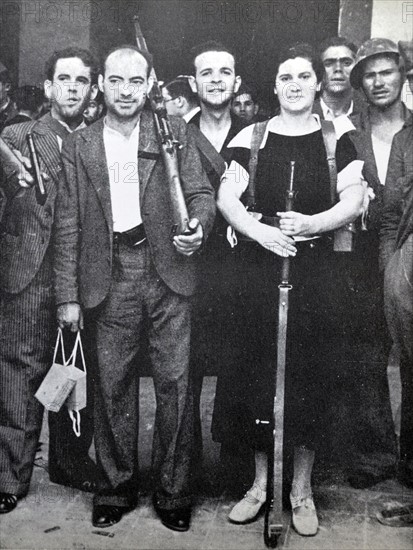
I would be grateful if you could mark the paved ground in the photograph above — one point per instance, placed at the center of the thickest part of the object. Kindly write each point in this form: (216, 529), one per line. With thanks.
(347, 516)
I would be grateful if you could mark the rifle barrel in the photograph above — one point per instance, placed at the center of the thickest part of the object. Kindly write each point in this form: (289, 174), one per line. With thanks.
(168, 145)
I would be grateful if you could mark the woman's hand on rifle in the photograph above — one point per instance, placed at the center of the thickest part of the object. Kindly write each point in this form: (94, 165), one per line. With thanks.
(296, 224)
(272, 239)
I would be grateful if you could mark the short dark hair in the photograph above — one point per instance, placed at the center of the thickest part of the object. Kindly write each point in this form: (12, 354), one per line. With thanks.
(333, 41)
(28, 98)
(146, 55)
(306, 51)
(87, 58)
(209, 46)
(249, 89)
(179, 87)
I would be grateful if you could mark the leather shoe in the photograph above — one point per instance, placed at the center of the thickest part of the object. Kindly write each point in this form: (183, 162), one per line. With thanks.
(105, 515)
(8, 503)
(177, 520)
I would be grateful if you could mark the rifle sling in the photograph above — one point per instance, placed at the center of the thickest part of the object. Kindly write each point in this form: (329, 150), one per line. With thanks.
(330, 144)
(256, 140)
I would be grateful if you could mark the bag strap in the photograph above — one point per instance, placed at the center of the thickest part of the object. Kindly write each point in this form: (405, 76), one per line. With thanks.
(330, 144)
(75, 418)
(256, 140)
(59, 339)
(73, 355)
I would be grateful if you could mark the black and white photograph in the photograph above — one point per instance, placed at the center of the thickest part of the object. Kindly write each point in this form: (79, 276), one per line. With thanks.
(206, 274)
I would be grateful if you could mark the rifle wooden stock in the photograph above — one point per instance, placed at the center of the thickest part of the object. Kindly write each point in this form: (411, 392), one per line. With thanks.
(168, 145)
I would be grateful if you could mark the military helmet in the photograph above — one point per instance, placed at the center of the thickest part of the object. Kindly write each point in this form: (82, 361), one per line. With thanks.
(370, 48)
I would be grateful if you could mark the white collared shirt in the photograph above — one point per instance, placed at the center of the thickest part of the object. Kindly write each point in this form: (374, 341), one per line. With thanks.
(122, 161)
(328, 113)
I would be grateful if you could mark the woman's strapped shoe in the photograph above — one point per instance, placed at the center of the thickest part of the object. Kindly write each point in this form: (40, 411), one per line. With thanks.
(247, 509)
(8, 502)
(305, 520)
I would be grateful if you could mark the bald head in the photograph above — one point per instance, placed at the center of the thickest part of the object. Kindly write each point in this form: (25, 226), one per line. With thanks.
(130, 48)
(125, 83)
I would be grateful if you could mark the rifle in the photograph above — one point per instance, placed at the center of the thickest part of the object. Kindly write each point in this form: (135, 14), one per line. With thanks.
(273, 527)
(169, 146)
(41, 193)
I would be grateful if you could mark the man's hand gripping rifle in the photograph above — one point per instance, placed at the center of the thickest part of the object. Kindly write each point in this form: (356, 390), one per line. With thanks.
(168, 145)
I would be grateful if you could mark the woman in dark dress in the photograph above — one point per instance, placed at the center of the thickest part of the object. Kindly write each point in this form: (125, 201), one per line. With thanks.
(244, 399)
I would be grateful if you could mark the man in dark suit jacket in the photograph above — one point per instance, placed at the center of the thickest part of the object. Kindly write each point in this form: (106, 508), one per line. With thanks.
(115, 256)
(27, 324)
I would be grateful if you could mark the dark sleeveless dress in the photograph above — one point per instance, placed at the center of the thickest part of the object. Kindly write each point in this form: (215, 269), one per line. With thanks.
(245, 389)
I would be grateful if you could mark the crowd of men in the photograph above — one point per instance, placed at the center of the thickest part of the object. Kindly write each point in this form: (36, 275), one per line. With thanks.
(100, 257)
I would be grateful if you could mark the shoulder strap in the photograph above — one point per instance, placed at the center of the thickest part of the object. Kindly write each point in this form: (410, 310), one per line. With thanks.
(256, 140)
(330, 144)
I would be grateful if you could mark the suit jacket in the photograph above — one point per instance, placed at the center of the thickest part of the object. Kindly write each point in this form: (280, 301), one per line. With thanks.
(397, 223)
(84, 224)
(26, 226)
(18, 119)
(361, 138)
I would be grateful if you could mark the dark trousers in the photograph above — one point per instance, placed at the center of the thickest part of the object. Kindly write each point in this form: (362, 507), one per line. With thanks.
(138, 298)
(26, 349)
(363, 413)
(399, 313)
(68, 454)
(215, 342)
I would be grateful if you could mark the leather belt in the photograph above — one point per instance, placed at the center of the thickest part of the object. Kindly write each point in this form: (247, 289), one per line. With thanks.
(131, 237)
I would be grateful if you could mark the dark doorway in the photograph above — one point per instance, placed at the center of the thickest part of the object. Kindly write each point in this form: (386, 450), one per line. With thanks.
(255, 29)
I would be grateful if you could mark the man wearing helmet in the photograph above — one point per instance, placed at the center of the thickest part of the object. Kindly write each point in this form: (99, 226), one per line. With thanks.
(396, 249)
(379, 73)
